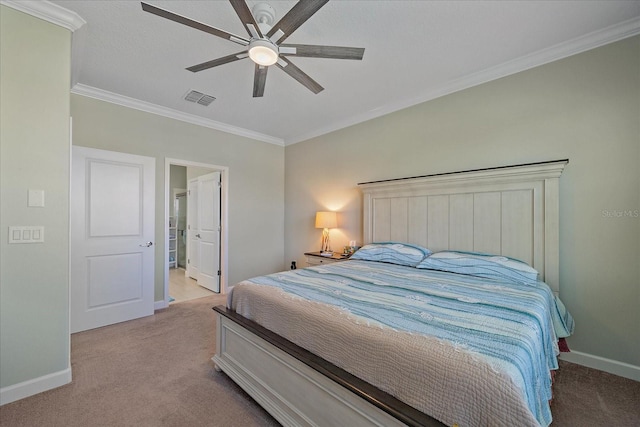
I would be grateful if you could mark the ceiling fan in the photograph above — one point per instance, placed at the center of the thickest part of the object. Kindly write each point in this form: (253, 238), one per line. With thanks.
(264, 46)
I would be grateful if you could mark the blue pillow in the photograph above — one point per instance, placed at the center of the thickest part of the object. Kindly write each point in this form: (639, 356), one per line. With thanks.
(392, 252)
(483, 265)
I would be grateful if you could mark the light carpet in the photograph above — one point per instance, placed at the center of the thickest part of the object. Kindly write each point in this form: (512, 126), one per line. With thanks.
(157, 371)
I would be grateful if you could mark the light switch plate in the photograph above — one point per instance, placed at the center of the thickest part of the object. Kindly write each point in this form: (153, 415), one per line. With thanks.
(36, 199)
(26, 234)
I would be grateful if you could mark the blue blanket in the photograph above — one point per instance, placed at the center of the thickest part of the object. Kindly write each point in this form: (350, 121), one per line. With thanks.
(514, 327)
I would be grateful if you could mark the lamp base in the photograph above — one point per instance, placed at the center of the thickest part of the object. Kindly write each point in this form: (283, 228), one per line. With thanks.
(326, 246)
(326, 253)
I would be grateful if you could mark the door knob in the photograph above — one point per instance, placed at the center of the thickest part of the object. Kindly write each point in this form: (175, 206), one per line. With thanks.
(146, 245)
(198, 236)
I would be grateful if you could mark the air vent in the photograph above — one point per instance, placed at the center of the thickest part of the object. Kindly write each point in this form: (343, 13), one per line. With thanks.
(199, 98)
(206, 100)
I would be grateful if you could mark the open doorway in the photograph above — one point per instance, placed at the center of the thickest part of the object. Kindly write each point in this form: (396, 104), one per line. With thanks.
(180, 281)
(180, 214)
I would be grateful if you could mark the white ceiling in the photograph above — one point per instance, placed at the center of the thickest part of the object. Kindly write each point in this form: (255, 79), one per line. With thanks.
(415, 51)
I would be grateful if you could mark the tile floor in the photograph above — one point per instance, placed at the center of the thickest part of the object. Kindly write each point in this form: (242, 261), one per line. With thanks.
(184, 288)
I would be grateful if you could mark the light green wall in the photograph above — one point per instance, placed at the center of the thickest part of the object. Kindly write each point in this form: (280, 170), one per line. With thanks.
(256, 177)
(177, 180)
(194, 172)
(585, 108)
(34, 154)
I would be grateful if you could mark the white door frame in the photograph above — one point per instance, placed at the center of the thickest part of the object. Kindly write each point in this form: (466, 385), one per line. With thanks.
(224, 238)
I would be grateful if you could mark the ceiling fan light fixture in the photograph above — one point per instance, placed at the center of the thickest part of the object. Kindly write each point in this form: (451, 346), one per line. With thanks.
(263, 52)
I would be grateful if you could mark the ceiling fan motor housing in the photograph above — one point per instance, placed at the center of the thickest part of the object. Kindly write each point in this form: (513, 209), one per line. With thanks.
(264, 15)
(263, 51)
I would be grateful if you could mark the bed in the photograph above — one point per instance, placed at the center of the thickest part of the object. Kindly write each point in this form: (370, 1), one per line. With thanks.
(355, 343)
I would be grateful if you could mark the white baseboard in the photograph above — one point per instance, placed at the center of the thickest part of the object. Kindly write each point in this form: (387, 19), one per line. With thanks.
(159, 305)
(607, 365)
(37, 385)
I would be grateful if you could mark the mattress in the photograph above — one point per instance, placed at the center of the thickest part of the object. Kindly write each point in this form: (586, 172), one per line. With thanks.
(462, 349)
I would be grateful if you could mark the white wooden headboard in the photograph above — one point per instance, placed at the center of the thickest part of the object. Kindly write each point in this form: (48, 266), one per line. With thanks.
(511, 211)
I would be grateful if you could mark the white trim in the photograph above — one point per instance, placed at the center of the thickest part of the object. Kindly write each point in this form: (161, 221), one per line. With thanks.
(37, 385)
(49, 12)
(224, 244)
(577, 45)
(159, 305)
(69, 237)
(125, 101)
(603, 364)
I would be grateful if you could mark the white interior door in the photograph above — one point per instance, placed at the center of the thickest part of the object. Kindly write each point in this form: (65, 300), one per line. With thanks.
(112, 233)
(204, 230)
(209, 230)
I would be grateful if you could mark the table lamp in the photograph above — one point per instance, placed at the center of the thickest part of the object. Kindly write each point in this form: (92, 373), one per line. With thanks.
(326, 220)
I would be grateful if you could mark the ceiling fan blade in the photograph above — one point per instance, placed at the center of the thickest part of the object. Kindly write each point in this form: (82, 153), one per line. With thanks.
(295, 72)
(313, 51)
(298, 14)
(193, 24)
(245, 15)
(219, 61)
(259, 80)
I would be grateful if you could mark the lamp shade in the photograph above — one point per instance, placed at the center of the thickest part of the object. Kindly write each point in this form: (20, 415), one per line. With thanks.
(326, 220)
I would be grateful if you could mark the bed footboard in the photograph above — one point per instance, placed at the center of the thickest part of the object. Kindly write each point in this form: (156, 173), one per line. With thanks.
(298, 388)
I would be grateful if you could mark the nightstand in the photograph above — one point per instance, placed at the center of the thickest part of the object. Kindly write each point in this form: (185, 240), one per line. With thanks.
(314, 258)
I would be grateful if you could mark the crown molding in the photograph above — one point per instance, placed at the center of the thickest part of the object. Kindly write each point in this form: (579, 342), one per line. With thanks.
(125, 101)
(72, 21)
(49, 12)
(572, 47)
